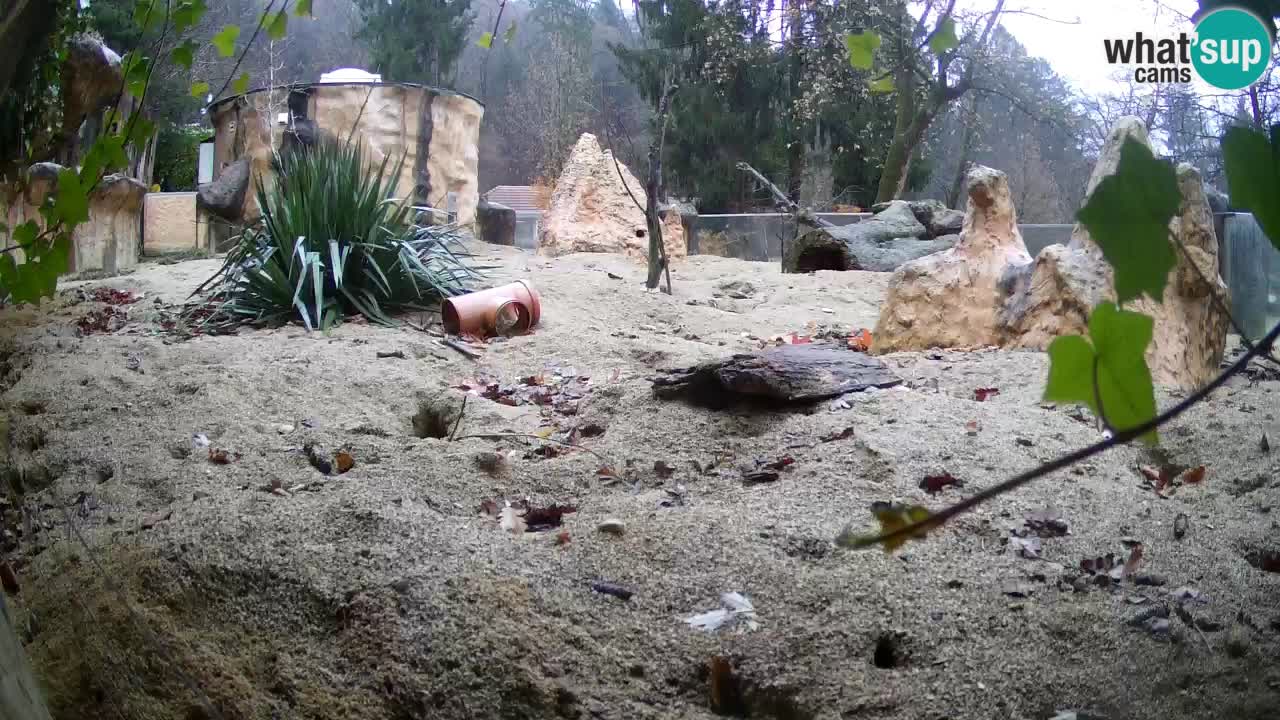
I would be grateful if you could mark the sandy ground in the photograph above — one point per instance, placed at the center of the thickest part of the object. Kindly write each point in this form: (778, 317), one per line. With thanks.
(384, 593)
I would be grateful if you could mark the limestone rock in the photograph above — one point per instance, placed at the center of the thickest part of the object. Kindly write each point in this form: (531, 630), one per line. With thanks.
(881, 244)
(225, 196)
(497, 223)
(951, 299)
(936, 217)
(591, 210)
(987, 291)
(91, 76)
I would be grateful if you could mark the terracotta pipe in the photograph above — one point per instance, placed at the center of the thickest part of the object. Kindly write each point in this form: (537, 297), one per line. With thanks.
(510, 309)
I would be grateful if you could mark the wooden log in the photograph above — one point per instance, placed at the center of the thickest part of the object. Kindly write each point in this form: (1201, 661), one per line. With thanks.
(787, 374)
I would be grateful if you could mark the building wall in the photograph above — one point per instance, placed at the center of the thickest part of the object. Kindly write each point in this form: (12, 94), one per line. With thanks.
(436, 132)
(169, 223)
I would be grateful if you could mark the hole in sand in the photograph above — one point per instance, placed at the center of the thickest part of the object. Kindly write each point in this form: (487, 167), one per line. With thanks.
(887, 655)
(434, 419)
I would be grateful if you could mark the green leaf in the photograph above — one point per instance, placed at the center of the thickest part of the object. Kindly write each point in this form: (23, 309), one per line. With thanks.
(486, 40)
(106, 154)
(199, 90)
(136, 70)
(302, 8)
(891, 517)
(141, 131)
(241, 84)
(184, 54)
(1115, 354)
(883, 85)
(510, 34)
(944, 38)
(72, 204)
(1128, 216)
(37, 277)
(278, 25)
(225, 40)
(148, 14)
(862, 48)
(1253, 176)
(188, 14)
(26, 233)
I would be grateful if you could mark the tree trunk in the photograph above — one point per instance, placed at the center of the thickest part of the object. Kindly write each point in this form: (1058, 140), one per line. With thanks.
(894, 173)
(969, 118)
(653, 191)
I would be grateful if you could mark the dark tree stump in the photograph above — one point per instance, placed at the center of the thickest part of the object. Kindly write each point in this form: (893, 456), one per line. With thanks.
(787, 374)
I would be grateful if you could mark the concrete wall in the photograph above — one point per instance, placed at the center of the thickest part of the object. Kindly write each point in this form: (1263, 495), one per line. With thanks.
(436, 131)
(169, 223)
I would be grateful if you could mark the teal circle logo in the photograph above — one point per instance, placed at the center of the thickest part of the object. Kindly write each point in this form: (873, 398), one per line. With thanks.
(1232, 48)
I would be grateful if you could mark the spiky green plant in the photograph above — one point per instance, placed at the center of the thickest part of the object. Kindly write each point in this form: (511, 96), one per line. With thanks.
(333, 240)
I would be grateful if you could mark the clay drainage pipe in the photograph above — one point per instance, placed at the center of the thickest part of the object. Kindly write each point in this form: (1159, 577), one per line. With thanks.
(510, 309)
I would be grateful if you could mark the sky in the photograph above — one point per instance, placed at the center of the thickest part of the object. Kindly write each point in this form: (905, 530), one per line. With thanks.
(1075, 50)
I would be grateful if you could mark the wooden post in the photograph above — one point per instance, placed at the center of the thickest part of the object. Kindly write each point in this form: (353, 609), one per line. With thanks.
(20, 696)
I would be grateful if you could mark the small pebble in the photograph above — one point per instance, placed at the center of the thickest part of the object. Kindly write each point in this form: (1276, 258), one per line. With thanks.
(613, 526)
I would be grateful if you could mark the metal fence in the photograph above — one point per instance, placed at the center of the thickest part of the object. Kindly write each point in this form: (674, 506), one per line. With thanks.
(1251, 269)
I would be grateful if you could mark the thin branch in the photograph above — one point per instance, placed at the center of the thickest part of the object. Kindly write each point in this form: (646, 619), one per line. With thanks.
(484, 66)
(243, 53)
(461, 411)
(937, 519)
(527, 436)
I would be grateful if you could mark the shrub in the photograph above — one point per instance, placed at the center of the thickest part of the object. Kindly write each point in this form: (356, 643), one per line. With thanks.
(177, 154)
(332, 241)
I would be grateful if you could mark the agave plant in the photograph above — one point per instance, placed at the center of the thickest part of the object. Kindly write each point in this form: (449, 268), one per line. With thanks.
(332, 240)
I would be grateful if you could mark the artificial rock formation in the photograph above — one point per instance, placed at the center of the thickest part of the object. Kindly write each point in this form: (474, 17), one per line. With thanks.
(952, 298)
(882, 243)
(938, 219)
(987, 291)
(111, 240)
(434, 132)
(592, 211)
(91, 75)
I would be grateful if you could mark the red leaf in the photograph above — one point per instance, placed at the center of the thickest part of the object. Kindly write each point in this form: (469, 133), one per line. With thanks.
(781, 463)
(934, 484)
(551, 516)
(860, 340)
(562, 537)
(800, 339)
(981, 394)
(844, 434)
(1194, 475)
(1131, 565)
(490, 508)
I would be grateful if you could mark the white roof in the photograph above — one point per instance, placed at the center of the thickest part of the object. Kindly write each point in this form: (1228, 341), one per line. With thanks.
(350, 75)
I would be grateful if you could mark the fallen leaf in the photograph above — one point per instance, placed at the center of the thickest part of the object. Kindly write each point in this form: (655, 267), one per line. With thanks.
(1265, 444)
(844, 434)
(545, 432)
(613, 276)
(344, 461)
(1027, 547)
(1131, 565)
(1046, 523)
(760, 476)
(545, 518)
(1193, 476)
(608, 588)
(562, 537)
(934, 484)
(860, 340)
(892, 517)
(724, 688)
(662, 469)
(982, 394)
(1180, 525)
(780, 464)
(8, 578)
(972, 427)
(800, 339)
(219, 456)
(509, 519)
(489, 508)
